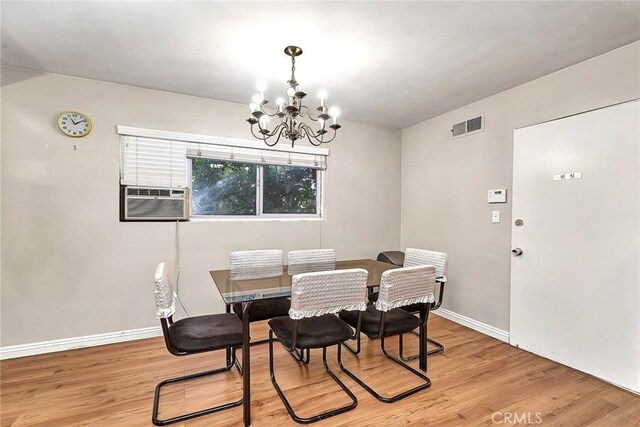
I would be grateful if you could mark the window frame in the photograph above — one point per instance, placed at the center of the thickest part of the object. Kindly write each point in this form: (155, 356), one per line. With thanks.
(259, 197)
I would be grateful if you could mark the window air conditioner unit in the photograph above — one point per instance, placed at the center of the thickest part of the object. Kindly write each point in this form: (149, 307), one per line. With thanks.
(155, 204)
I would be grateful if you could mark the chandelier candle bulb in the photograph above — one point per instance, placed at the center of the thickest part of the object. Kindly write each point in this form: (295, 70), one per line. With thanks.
(290, 93)
(257, 98)
(322, 94)
(334, 112)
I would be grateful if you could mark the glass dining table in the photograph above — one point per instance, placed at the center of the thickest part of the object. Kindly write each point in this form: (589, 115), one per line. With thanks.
(248, 288)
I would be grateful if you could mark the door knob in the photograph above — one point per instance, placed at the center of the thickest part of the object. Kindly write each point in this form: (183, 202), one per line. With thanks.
(516, 251)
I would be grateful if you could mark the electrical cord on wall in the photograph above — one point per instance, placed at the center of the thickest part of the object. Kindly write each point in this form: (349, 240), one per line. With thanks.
(178, 269)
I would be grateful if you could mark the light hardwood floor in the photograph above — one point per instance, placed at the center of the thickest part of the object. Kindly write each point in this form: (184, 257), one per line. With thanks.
(477, 377)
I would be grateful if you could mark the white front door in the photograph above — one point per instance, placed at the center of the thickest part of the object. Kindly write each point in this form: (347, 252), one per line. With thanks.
(575, 289)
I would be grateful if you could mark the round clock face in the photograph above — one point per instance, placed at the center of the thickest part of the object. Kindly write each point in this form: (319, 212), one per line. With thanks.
(74, 124)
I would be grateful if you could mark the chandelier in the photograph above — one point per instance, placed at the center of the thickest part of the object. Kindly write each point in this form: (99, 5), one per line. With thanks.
(291, 114)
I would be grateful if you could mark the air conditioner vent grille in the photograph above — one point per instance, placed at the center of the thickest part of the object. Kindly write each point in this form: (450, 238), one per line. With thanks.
(459, 129)
(467, 127)
(153, 192)
(474, 124)
(150, 204)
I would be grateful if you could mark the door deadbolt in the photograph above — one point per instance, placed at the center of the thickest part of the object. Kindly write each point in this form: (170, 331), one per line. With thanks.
(519, 223)
(517, 251)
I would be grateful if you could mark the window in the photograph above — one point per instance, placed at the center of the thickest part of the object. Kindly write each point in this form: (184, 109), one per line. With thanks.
(226, 177)
(289, 190)
(222, 188)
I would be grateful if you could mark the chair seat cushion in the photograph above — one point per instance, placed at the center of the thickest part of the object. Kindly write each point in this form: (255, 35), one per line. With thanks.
(265, 309)
(411, 308)
(205, 333)
(313, 332)
(397, 321)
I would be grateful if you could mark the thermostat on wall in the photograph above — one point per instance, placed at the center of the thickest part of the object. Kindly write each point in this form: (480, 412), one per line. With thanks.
(497, 196)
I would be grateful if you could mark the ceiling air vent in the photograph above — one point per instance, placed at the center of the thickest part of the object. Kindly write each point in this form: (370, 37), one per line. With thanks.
(468, 127)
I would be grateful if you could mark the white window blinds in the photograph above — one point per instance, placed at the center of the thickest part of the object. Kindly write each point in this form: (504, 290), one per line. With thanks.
(159, 158)
(254, 155)
(153, 162)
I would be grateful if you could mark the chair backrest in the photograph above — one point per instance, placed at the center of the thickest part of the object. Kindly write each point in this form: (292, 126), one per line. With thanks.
(415, 257)
(319, 293)
(312, 260)
(165, 298)
(256, 264)
(407, 285)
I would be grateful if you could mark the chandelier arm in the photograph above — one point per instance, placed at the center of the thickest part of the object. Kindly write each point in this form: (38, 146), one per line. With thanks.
(265, 138)
(320, 140)
(279, 136)
(269, 134)
(308, 132)
(276, 130)
(309, 114)
(264, 112)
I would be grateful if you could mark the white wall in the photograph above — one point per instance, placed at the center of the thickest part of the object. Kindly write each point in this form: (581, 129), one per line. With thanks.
(445, 181)
(70, 268)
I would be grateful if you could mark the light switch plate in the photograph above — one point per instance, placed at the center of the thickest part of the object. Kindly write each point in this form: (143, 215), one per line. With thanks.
(495, 217)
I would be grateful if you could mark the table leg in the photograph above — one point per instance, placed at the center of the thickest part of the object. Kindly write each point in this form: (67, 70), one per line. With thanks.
(228, 310)
(246, 364)
(422, 353)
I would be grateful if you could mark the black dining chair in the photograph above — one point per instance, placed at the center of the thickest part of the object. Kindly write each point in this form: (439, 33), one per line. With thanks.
(310, 261)
(398, 288)
(257, 264)
(192, 335)
(418, 257)
(311, 324)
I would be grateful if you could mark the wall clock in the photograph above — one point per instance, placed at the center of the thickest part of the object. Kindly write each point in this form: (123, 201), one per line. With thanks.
(74, 124)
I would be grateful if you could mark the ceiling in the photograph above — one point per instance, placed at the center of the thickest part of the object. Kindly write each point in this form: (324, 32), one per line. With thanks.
(390, 63)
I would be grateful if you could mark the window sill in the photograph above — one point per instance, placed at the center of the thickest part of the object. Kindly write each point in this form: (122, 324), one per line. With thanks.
(256, 219)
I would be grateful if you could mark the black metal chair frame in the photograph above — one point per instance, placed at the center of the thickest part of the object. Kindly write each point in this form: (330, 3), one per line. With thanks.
(298, 355)
(293, 351)
(231, 361)
(424, 314)
(439, 347)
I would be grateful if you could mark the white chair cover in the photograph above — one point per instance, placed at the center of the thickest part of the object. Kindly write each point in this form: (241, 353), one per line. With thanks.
(407, 285)
(313, 260)
(319, 293)
(439, 260)
(256, 264)
(165, 298)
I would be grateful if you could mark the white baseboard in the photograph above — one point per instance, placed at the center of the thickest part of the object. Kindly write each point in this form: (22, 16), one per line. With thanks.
(494, 332)
(22, 350)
